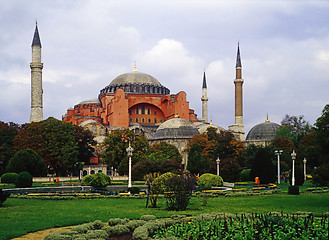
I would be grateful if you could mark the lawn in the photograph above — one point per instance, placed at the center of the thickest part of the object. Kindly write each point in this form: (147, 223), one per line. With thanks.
(20, 216)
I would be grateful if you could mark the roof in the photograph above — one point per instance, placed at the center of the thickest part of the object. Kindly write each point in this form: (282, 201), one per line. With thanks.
(94, 100)
(263, 131)
(36, 38)
(204, 84)
(238, 59)
(175, 128)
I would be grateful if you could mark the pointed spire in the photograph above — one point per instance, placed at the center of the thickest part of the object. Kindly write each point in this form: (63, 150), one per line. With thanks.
(267, 120)
(36, 39)
(238, 59)
(135, 69)
(204, 84)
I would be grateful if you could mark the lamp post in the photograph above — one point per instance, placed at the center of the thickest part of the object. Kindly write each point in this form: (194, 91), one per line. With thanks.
(130, 153)
(304, 161)
(218, 162)
(278, 153)
(293, 156)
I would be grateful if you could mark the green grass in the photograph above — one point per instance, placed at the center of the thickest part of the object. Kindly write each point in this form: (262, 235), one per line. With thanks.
(21, 216)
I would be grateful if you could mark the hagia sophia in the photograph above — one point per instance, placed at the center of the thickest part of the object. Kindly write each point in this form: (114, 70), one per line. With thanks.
(140, 102)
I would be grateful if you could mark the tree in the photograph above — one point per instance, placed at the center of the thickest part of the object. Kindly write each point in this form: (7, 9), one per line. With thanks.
(165, 151)
(320, 174)
(27, 160)
(287, 146)
(115, 145)
(59, 143)
(262, 166)
(8, 131)
(230, 170)
(216, 145)
(297, 126)
(196, 163)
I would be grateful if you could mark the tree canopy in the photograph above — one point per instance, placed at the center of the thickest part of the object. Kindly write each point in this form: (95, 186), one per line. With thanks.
(59, 143)
(27, 160)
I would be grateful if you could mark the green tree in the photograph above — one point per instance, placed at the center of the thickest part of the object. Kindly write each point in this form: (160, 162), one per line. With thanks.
(297, 126)
(8, 131)
(115, 145)
(230, 170)
(320, 174)
(27, 160)
(57, 142)
(262, 166)
(196, 163)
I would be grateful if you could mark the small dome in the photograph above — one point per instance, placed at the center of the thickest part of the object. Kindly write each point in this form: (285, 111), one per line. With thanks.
(136, 82)
(263, 131)
(175, 128)
(95, 100)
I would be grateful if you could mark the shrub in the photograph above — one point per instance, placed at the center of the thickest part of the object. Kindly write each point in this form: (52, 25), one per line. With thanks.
(96, 234)
(230, 170)
(133, 224)
(117, 221)
(24, 179)
(148, 217)
(245, 175)
(27, 160)
(134, 190)
(9, 177)
(3, 196)
(117, 230)
(209, 180)
(141, 233)
(96, 180)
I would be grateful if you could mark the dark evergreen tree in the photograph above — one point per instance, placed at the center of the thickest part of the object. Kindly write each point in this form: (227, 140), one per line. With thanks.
(196, 163)
(27, 160)
(263, 167)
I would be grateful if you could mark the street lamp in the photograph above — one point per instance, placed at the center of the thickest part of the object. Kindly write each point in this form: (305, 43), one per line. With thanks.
(304, 161)
(130, 153)
(278, 153)
(218, 162)
(293, 156)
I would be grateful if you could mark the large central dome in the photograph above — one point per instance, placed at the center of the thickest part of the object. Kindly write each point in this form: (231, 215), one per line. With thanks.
(136, 82)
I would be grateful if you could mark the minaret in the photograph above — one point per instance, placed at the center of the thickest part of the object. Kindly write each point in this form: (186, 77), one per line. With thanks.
(204, 99)
(238, 127)
(36, 79)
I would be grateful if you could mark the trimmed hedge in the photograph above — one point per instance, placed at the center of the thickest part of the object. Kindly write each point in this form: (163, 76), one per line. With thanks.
(9, 177)
(24, 179)
(208, 180)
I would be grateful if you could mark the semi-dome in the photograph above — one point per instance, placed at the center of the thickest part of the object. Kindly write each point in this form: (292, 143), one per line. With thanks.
(136, 82)
(263, 131)
(94, 100)
(175, 128)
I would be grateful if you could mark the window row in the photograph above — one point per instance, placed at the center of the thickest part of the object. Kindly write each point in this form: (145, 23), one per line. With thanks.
(142, 110)
(149, 120)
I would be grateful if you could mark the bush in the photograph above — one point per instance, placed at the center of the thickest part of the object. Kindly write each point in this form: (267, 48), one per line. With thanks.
(96, 180)
(230, 170)
(117, 221)
(9, 177)
(245, 175)
(117, 230)
(148, 217)
(24, 179)
(3, 196)
(208, 180)
(27, 160)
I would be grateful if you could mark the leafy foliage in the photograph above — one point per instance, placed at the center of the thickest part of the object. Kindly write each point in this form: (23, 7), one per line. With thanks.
(208, 180)
(24, 179)
(8, 131)
(177, 189)
(214, 145)
(27, 160)
(58, 143)
(196, 164)
(96, 180)
(230, 170)
(262, 166)
(245, 175)
(3, 196)
(115, 145)
(9, 177)
(299, 176)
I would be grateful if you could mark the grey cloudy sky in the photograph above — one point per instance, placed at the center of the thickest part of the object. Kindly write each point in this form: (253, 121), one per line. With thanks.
(87, 43)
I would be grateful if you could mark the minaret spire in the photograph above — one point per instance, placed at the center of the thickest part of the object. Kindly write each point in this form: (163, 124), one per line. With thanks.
(36, 79)
(204, 98)
(238, 127)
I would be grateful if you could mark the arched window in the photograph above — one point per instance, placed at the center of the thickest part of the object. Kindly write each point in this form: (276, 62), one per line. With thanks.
(102, 131)
(92, 172)
(136, 120)
(155, 120)
(143, 120)
(149, 120)
(99, 170)
(94, 129)
(155, 112)
(84, 173)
